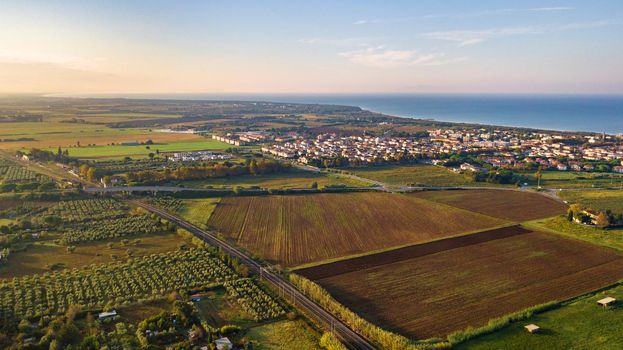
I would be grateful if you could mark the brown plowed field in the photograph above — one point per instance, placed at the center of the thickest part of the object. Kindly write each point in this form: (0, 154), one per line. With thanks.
(504, 204)
(436, 294)
(405, 253)
(298, 229)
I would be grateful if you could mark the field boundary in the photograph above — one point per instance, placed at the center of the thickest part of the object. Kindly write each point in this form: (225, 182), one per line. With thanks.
(413, 251)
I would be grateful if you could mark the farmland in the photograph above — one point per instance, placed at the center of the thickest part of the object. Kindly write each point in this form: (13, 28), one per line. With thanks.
(596, 199)
(508, 205)
(427, 175)
(433, 295)
(580, 324)
(292, 179)
(298, 229)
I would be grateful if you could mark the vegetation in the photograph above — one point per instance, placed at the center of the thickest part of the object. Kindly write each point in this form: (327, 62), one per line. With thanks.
(298, 229)
(87, 209)
(254, 300)
(284, 335)
(601, 200)
(416, 174)
(112, 228)
(509, 205)
(442, 292)
(560, 225)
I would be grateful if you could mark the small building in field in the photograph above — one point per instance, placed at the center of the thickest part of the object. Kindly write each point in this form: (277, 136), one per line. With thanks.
(195, 297)
(107, 314)
(606, 302)
(532, 328)
(223, 344)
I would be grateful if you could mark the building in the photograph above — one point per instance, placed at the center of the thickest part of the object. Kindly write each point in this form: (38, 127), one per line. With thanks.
(223, 344)
(107, 314)
(532, 328)
(607, 301)
(561, 167)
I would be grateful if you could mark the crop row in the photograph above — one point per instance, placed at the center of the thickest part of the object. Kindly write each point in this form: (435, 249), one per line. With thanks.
(254, 300)
(112, 228)
(116, 283)
(88, 209)
(19, 174)
(169, 203)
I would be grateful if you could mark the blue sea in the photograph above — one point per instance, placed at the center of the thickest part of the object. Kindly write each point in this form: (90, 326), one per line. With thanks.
(596, 113)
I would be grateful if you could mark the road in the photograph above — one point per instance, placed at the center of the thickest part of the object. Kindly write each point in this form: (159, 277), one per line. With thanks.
(350, 338)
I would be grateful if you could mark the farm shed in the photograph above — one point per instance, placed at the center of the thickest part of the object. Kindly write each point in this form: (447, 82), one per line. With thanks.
(532, 328)
(223, 344)
(605, 302)
(107, 314)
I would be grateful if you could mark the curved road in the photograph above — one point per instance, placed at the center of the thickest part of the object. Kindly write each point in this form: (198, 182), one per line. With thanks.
(349, 337)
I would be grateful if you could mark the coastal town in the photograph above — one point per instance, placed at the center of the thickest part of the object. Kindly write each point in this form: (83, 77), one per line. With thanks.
(497, 148)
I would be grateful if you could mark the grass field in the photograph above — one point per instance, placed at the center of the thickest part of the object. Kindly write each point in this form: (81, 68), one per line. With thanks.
(436, 294)
(292, 179)
(611, 237)
(579, 325)
(40, 256)
(597, 199)
(571, 179)
(198, 211)
(505, 204)
(54, 134)
(299, 229)
(429, 175)
(284, 335)
(140, 151)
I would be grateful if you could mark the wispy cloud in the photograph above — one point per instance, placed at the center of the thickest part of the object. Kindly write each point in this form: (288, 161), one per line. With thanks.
(472, 37)
(380, 57)
(336, 41)
(484, 13)
(30, 57)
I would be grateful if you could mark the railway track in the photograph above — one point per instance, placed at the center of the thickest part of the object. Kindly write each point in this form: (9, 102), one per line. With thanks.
(350, 338)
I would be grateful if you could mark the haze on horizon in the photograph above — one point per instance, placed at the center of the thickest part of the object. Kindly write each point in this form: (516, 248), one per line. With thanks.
(315, 47)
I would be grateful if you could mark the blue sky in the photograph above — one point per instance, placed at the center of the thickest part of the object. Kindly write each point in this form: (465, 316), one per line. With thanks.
(312, 46)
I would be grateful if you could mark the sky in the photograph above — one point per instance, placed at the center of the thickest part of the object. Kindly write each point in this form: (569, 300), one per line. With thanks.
(295, 46)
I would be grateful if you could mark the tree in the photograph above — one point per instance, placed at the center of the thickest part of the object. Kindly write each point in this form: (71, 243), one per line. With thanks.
(151, 155)
(602, 220)
(106, 180)
(314, 185)
(71, 249)
(91, 174)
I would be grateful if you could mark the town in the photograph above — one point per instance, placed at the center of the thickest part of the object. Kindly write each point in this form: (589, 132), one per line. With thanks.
(498, 148)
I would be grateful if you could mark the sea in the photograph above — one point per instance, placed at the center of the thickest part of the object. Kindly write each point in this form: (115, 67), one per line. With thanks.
(592, 113)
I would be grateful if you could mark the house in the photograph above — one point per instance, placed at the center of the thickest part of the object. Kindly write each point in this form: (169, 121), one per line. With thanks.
(561, 167)
(224, 344)
(472, 168)
(618, 169)
(532, 328)
(606, 302)
(195, 297)
(107, 314)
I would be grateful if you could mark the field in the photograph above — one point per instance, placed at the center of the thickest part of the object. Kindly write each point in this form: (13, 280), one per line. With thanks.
(435, 294)
(610, 237)
(578, 325)
(40, 257)
(505, 204)
(596, 199)
(198, 211)
(571, 179)
(428, 175)
(298, 229)
(284, 335)
(292, 179)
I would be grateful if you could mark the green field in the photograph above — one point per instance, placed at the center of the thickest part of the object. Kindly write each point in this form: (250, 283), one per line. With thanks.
(571, 179)
(141, 151)
(284, 335)
(428, 175)
(597, 199)
(198, 211)
(609, 237)
(292, 179)
(580, 325)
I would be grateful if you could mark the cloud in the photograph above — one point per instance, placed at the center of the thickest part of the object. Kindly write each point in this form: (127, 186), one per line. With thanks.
(64, 61)
(335, 41)
(379, 57)
(472, 37)
(367, 21)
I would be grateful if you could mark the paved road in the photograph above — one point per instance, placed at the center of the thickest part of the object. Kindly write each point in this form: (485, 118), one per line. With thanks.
(350, 338)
